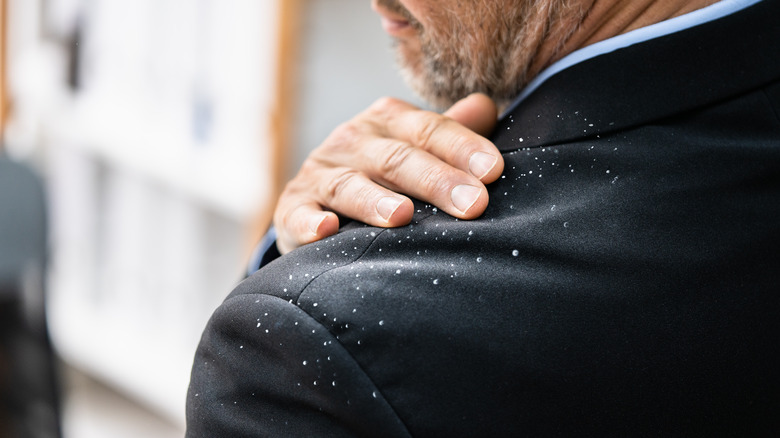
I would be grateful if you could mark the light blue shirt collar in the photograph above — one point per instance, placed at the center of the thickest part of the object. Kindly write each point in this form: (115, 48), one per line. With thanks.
(676, 24)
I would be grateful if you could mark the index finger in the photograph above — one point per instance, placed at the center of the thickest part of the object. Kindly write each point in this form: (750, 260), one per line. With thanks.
(446, 138)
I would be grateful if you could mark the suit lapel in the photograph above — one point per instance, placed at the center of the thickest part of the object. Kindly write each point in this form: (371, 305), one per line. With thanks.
(685, 70)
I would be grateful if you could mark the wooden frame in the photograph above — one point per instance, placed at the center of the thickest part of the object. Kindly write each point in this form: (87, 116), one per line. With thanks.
(285, 96)
(288, 49)
(3, 68)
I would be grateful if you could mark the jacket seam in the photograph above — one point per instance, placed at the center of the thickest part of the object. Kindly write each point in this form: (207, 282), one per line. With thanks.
(346, 350)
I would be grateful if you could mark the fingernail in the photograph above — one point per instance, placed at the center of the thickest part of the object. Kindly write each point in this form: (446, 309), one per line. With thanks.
(481, 163)
(464, 196)
(316, 221)
(387, 206)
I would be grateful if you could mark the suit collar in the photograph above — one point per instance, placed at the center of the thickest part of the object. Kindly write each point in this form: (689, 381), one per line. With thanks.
(685, 70)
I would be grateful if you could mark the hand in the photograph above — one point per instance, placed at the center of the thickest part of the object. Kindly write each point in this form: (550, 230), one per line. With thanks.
(393, 147)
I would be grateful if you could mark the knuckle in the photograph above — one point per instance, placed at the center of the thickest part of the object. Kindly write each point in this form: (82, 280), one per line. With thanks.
(288, 199)
(309, 168)
(384, 104)
(434, 181)
(341, 138)
(346, 132)
(460, 147)
(429, 125)
(340, 183)
(309, 175)
(285, 218)
(393, 158)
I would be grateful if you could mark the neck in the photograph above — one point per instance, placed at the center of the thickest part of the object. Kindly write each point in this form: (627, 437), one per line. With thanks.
(603, 19)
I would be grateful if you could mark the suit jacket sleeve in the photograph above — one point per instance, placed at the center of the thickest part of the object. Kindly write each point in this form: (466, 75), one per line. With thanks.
(267, 368)
(264, 253)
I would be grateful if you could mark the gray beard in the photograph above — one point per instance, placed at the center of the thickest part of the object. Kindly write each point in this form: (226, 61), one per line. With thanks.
(442, 82)
(457, 63)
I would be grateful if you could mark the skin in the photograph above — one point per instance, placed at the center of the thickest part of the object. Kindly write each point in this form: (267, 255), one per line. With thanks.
(391, 148)
(448, 50)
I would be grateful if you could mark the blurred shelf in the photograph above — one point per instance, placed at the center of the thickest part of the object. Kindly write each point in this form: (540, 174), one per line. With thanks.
(149, 368)
(153, 124)
(90, 409)
(134, 136)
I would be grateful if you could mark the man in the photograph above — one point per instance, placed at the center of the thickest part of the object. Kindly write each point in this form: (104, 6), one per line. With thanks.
(622, 280)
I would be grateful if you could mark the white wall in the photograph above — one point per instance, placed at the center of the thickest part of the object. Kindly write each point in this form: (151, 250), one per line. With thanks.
(155, 167)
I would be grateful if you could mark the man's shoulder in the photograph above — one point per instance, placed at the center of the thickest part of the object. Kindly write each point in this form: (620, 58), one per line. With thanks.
(366, 276)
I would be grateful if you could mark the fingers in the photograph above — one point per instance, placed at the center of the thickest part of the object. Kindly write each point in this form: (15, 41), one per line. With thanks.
(300, 219)
(435, 158)
(357, 196)
(445, 137)
(363, 167)
(404, 168)
(304, 223)
(476, 112)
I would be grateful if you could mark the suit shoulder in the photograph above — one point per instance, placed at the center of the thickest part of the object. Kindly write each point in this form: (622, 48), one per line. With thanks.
(265, 367)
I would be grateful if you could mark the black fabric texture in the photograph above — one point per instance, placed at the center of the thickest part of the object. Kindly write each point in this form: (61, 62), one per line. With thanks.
(622, 282)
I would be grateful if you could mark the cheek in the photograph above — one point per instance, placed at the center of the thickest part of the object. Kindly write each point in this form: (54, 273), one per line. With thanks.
(414, 6)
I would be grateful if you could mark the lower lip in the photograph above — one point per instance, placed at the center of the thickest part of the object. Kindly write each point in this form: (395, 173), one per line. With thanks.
(395, 28)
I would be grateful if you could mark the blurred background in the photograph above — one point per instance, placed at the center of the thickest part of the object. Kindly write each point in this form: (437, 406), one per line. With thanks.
(143, 145)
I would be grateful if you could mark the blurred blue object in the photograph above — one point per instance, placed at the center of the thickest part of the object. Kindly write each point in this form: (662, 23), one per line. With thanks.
(29, 395)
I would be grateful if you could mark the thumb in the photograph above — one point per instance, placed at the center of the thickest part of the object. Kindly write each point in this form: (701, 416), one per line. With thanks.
(476, 112)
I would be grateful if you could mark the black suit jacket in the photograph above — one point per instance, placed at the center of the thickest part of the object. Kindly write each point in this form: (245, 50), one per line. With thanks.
(623, 281)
